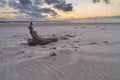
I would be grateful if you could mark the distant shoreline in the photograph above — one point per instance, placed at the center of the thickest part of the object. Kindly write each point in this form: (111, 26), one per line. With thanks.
(53, 24)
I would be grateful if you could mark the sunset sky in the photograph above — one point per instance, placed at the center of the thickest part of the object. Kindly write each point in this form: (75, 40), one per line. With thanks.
(56, 9)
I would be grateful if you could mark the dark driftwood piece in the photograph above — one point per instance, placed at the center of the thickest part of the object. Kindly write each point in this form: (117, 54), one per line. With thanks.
(37, 39)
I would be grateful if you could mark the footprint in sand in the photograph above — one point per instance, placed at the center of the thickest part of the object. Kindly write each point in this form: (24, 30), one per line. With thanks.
(93, 43)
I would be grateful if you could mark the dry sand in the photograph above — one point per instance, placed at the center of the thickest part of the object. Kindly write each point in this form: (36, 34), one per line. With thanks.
(92, 54)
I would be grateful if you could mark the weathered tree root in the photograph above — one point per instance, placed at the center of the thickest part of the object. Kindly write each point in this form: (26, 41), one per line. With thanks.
(38, 40)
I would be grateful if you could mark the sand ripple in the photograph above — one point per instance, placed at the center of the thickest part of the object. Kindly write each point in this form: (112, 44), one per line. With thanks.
(61, 67)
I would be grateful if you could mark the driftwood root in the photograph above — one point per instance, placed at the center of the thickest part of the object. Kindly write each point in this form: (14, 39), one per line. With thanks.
(38, 40)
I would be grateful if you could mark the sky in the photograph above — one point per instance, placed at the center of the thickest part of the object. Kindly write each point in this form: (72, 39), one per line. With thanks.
(57, 9)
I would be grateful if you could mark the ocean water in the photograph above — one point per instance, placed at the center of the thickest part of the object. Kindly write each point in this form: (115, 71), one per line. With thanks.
(85, 20)
(98, 20)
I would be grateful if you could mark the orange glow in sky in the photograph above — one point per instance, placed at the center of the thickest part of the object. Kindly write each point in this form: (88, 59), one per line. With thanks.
(81, 9)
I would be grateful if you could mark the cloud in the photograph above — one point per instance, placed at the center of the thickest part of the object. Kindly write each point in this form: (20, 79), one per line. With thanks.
(2, 3)
(9, 12)
(64, 7)
(53, 1)
(106, 1)
(60, 4)
(34, 7)
(31, 8)
(25, 2)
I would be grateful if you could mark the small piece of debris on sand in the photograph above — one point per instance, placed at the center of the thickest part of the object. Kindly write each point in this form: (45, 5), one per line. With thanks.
(53, 54)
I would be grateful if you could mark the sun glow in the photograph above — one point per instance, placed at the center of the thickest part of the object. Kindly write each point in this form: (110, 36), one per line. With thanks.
(76, 15)
(89, 11)
(80, 10)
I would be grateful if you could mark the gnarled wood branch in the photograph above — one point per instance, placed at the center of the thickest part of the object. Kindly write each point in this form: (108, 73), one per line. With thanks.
(37, 39)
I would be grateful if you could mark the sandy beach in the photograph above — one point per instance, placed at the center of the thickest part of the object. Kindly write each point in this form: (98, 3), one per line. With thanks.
(93, 53)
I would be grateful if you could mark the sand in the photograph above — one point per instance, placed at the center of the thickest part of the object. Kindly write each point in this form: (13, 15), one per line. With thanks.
(92, 54)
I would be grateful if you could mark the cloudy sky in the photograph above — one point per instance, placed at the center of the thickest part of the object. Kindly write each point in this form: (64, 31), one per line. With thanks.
(56, 9)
